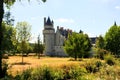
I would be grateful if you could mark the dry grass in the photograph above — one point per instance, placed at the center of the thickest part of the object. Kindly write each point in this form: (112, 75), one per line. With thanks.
(32, 62)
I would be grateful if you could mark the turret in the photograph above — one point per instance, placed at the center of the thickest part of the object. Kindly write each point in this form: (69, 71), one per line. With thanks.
(49, 36)
(44, 21)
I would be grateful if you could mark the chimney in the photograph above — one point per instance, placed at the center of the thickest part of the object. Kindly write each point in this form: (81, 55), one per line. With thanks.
(44, 21)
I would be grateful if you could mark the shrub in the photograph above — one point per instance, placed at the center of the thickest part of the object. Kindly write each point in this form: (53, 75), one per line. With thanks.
(93, 66)
(109, 73)
(110, 59)
(101, 53)
(25, 75)
(73, 72)
(58, 74)
(42, 73)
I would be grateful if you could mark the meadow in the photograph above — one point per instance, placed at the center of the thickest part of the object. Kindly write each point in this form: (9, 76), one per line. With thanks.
(55, 68)
(33, 62)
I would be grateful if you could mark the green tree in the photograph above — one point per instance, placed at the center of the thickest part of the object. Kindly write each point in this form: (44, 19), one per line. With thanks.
(35, 48)
(77, 45)
(99, 47)
(112, 39)
(86, 46)
(100, 43)
(40, 47)
(23, 36)
(8, 36)
(9, 33)
(8, 4)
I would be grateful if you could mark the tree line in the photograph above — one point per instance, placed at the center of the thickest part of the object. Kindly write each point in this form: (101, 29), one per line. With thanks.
(78, 45)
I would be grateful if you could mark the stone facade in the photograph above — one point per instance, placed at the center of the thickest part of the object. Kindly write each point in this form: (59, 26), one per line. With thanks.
(54, 40)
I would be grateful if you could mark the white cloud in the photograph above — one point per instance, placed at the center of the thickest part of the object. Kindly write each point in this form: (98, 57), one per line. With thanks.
(63, 20)
(117, 7)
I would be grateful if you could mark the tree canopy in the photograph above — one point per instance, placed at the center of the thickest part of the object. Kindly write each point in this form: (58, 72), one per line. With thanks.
(100, 43)
(77, 45)
(112, 39)
(23, 36)
(9, 34)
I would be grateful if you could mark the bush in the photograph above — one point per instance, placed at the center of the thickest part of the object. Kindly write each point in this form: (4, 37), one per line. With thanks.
(26, 75)
(42, 73)
(110, 59)
(109, 73)
(101, 53)
(93, 66)
(48, 73)
(73, 72)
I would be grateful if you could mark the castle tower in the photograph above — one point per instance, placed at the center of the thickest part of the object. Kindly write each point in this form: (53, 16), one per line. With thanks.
(49, 36)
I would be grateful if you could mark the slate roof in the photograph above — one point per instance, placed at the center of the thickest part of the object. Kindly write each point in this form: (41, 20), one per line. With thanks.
(49, 22)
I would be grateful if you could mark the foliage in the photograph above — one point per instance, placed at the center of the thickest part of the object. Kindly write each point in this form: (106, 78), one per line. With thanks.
(9, 39)
(110, 59)
(93, 66)
(112, 40)
(25, 75)
(73, 72)
(100, 43)
(39, 47)
(8, 19)
(100, 53)
(23, 36)
(8, 4)
(77, 45)
(48, 73)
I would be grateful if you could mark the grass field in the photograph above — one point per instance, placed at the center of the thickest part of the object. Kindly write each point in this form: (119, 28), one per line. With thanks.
(90, 68)
(32, 62)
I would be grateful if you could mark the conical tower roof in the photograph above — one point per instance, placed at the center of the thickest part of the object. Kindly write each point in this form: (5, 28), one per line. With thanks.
(49, 22)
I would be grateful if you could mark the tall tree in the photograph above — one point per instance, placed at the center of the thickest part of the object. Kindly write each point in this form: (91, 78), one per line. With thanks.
(8, 3)
(77, 45)
(8, 35)
(112, 39)
(23, 36)
(40, 47)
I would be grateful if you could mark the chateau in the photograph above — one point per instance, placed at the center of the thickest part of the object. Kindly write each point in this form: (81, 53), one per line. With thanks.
(54, 40)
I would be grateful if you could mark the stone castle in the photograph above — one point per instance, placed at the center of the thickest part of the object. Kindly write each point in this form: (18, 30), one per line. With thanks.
(54, 40)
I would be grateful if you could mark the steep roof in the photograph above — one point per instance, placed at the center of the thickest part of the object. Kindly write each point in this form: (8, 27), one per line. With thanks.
(49, 22)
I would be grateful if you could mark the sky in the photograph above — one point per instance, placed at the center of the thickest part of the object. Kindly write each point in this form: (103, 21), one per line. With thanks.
(93, 17)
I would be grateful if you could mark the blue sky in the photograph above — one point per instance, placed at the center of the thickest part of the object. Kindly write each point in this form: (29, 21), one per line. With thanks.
(94, 17)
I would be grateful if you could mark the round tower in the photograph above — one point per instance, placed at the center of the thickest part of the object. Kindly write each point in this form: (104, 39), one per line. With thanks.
(49, 36)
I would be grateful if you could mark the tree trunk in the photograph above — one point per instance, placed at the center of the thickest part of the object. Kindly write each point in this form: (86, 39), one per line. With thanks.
(38, 55)
(75, 56)
(1, 36)
(22, 58)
